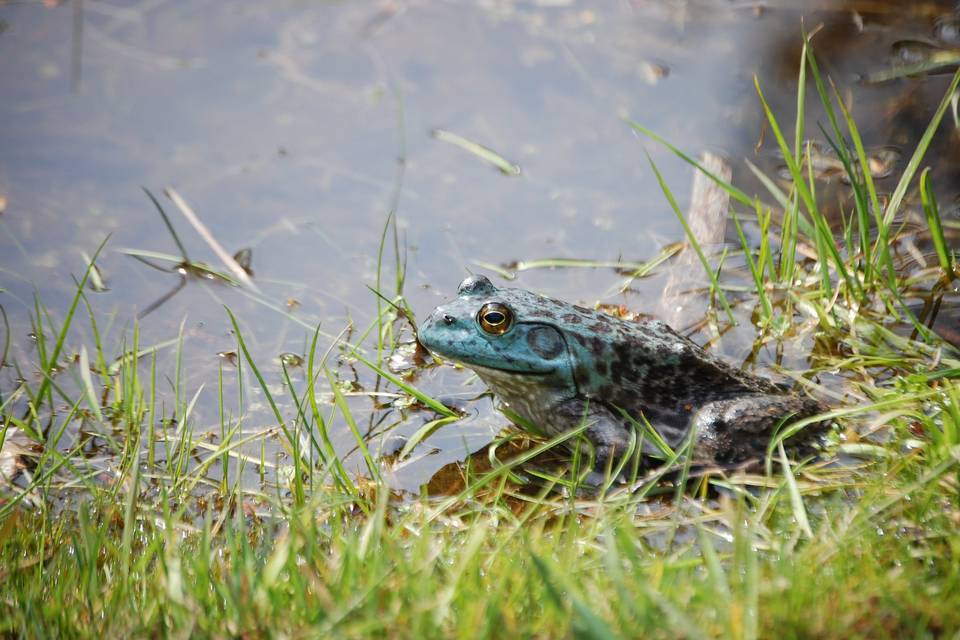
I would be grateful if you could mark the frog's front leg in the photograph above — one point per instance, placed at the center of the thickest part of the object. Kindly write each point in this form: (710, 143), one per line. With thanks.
(740, 429)
(607, 432)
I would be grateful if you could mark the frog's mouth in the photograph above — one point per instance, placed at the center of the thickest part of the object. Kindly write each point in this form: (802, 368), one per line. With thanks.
(521, 368)
(500, 371)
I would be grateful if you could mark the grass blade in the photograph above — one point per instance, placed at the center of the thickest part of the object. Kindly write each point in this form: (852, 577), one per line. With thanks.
(734, 192)
(932, 214)
(896, 200)
(503, 165)
(714, 284)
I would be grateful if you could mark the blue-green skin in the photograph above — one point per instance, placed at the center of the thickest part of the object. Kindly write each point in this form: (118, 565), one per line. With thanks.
(560, 364)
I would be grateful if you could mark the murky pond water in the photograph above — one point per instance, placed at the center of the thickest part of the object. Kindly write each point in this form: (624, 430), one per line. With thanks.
(293, 129)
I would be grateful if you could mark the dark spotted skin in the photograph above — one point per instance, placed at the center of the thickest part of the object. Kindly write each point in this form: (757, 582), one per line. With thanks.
(559, 364)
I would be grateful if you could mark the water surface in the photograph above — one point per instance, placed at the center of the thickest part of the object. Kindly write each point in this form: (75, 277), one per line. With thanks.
(294, 129)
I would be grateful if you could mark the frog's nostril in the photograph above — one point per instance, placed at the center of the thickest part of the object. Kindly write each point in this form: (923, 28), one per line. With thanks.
(448, 319)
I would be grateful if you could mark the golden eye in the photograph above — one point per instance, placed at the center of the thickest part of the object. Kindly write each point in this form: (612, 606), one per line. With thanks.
(495, 318)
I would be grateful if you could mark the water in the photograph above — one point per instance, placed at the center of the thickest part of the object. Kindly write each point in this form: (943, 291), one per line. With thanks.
(294, 128)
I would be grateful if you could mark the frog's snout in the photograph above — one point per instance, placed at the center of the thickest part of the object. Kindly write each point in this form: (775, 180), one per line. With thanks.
(442, 330)
(423, 331)
(427, 333)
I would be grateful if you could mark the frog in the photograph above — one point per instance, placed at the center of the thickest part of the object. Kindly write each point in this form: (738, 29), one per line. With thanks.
(561, 366)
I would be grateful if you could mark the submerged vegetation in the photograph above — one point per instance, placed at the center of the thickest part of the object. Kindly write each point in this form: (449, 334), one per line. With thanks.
(135, 538)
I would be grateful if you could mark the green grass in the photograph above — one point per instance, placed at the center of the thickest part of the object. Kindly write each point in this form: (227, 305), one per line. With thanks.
(159, 546)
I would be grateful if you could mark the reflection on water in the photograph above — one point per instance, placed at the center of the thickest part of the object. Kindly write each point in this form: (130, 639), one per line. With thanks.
(293, 130)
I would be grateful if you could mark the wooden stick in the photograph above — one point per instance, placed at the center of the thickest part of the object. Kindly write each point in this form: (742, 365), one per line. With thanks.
(707, 217)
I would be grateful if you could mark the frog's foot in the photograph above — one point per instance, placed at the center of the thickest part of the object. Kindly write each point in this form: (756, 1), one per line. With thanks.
(740, 429)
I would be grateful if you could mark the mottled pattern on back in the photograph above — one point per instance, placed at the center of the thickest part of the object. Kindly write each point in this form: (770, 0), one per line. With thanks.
(639, 366)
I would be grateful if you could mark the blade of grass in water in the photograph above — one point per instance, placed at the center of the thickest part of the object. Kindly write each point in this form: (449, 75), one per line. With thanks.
(341, 403)
(383, 240)
(638, 269)
(155, 255)
(67, 321)
(878, 253)
(238, 272)
(420, 434)
(166, 220)
(861, 190)
(796, 500)
(938, 61)
(391, 225)
(560, 263)
(115, 366)
(932, 214)
(791, 157)
(896, 200)
(787, 203)
(755, 267)
(734, 192)
(96, 279)
(329, 455)
(269, 397)
(505, 167)
(410, 389)
(6, 337)
(88, 383)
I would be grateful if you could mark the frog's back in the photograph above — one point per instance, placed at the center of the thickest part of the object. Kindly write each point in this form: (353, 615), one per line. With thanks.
(645, 366)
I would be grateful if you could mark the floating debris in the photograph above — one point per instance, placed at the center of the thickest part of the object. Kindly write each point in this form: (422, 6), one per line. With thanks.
(15, 445)
(907, 52)
(404, 359)
(291, 359)
(913, 58)
(882, 163)
(96, 281)
(505, 167)
(947, 29)
(827, 166)
(654, 72)
(623, 312)
(244, 258)
(229, 356)
(3, 204)
(509, 270)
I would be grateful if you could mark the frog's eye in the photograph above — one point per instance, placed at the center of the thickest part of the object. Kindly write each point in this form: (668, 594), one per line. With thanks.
(495, 318)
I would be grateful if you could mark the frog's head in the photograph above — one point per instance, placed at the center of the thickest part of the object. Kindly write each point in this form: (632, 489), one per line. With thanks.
(507, 330)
